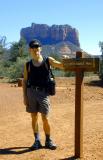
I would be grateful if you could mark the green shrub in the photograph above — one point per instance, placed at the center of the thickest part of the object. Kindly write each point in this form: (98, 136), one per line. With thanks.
(101, 70)
(15, 71)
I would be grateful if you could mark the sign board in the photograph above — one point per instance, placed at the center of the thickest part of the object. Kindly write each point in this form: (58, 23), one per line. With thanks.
(85, 64)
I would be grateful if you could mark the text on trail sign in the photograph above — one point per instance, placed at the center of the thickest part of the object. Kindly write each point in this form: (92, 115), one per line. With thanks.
(86, 64)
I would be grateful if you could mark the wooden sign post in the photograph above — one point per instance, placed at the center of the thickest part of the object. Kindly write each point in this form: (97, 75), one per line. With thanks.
(80, 65)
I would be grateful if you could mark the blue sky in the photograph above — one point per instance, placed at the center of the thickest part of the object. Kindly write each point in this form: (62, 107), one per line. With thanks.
(84, 15)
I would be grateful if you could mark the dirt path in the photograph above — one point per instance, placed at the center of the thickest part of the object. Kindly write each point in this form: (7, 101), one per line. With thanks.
(15, 124)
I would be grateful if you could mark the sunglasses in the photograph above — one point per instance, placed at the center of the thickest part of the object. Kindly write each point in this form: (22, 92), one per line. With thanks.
(36, 46)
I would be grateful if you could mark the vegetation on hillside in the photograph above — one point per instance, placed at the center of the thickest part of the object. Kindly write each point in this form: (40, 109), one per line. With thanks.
(101, 61)
(14, 56)
(12, 59)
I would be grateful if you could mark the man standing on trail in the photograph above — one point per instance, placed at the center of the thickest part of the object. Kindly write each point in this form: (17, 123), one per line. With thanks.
(35, 93)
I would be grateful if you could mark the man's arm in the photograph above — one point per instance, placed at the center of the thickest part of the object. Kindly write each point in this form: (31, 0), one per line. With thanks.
(56, 64)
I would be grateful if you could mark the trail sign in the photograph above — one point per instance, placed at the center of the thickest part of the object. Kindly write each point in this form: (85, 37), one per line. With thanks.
(86, 64)
(79, 65)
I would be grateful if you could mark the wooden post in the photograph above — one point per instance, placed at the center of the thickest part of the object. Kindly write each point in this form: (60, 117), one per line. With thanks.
(79, 110)
(80, 65)
(20, 82)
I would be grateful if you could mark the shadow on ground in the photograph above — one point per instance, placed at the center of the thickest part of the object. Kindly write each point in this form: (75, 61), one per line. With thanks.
(21, 150)
(15, 150)
(70, 158)
(95, 83)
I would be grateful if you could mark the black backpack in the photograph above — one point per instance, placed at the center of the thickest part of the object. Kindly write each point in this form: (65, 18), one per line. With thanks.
(51, 80)
(51, 84)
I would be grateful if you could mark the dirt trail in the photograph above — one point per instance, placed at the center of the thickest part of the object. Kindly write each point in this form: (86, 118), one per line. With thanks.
(15, 124)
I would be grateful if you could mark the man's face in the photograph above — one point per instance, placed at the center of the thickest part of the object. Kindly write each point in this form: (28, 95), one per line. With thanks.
(35, 52)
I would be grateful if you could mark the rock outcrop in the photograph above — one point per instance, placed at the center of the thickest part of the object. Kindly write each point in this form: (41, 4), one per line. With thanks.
(49, 35)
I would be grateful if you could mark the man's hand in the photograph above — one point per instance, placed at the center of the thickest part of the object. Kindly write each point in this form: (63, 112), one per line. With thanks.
(65, 57)
(26, 103)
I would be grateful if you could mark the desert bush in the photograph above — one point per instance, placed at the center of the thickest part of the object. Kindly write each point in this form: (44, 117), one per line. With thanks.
(15, 71)
(101, 70)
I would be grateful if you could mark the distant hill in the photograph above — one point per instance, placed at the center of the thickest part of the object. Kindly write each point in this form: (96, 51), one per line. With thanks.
(63, 48)
(56, 39)
(50, 34)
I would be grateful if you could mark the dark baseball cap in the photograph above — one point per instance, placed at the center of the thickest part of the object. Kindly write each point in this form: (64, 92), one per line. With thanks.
(34, 44)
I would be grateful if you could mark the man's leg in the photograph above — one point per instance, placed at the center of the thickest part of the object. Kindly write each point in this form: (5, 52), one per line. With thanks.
(46, 125)
(34, 117)
(37, 143)
(48, 142)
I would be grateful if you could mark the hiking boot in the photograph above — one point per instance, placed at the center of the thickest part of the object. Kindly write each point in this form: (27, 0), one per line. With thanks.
(36, 145)
(50, 145)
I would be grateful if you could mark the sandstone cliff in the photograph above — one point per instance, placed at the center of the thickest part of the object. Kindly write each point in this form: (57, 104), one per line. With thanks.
(49, 35)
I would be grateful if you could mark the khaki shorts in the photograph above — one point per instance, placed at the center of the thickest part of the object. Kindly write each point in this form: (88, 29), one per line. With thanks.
(38, 101)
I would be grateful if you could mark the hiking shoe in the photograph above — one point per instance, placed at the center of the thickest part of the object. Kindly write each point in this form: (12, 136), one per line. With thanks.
(50, 145)
(36, 145)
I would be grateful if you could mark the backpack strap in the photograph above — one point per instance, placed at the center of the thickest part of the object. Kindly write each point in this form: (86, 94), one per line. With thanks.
(47, 63)
(28, 68)
(49, 67)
